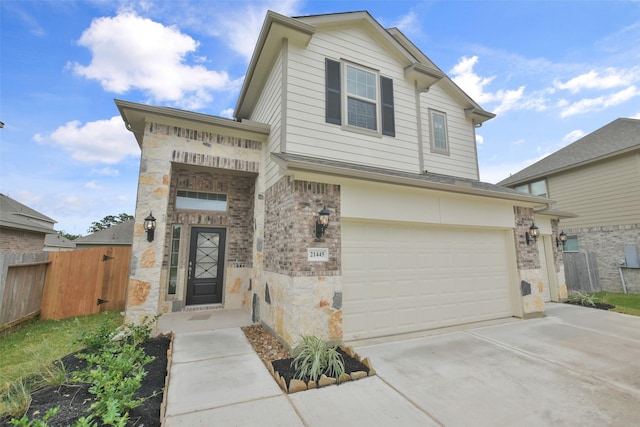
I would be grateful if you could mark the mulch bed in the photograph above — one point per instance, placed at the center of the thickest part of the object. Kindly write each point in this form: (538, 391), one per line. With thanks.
(598, 305)
(74, 399)
(286, 370)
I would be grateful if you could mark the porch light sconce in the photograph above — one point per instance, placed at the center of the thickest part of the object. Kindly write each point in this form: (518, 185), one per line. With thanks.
(149, 226)
(532, 234)
(562, 237)
(322, 222)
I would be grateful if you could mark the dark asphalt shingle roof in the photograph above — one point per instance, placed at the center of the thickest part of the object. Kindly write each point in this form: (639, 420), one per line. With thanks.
(14, 214)
(619, 136)
(119, 234)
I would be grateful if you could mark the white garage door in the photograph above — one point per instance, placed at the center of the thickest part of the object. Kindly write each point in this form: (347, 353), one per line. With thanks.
(400, 277)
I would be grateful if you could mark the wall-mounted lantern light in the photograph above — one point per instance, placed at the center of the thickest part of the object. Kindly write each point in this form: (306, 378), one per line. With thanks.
(562, 237)
(322, 222)
(532, 234)
(149, 226)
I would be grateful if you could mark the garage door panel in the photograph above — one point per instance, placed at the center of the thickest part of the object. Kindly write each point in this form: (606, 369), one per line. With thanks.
(400, 278)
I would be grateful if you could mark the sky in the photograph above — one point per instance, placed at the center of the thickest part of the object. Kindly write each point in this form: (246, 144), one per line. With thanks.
(551, 71)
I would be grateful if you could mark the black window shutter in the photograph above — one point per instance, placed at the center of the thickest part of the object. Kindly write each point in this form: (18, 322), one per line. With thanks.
(388, 120)
(333, 99)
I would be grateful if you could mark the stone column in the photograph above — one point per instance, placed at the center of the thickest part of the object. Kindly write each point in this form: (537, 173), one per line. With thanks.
(143, 292)
(528, 263)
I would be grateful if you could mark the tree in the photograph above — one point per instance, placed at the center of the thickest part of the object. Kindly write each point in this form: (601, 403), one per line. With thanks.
(109, 221)
(68, 236)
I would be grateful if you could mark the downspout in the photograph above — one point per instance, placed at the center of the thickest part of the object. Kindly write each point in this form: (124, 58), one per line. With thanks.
(624, 285)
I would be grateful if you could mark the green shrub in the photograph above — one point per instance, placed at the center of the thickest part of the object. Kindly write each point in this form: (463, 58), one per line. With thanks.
(314, 357)
(587, 300)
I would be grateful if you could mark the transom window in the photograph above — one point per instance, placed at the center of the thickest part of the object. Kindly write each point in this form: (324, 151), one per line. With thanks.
(439, 137)
(536, 188)
(196, 200)
(361, 98)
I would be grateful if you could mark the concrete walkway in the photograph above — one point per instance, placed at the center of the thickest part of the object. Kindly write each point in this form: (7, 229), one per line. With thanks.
(577, 366)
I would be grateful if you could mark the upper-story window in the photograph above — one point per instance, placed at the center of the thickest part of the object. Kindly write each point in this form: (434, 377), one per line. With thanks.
(536, 188)
(363, 101)
(362, 98)
(439, 137)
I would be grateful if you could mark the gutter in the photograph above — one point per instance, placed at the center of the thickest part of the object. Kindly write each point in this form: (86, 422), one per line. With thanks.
(460, 186)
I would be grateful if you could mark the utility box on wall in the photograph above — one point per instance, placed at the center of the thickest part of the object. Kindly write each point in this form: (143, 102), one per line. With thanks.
(631, 256)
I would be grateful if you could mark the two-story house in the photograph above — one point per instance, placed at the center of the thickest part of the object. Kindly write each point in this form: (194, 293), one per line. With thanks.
(342, 201)
(597, 178)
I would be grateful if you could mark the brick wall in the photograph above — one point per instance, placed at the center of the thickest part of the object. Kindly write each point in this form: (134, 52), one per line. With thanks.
(291, 211)
(526, 254)
(238, 219)
(608, 244)
(20, 241)
(557, 249)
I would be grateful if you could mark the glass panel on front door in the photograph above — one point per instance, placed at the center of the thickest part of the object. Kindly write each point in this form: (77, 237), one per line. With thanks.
(207, 256)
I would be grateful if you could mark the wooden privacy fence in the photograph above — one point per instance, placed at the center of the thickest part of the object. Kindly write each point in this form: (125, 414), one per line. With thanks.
(85, 281)
(21, 289)
(581, 272)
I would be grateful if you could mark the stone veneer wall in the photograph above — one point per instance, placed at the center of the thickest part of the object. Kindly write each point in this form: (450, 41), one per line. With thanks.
(21, 241)
(238, 221)
(528, 263)
(558, 262)
(164, 146)
(299, 297)
(608, 243)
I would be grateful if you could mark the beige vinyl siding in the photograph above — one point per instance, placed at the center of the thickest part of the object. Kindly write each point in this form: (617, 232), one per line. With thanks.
(462, 158)
(603, 193)
(307, 132)
(268, 110)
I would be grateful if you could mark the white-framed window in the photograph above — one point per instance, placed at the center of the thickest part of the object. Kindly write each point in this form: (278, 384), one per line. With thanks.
(359, 98)
(439, 133)
(201, 201)
(535, 188)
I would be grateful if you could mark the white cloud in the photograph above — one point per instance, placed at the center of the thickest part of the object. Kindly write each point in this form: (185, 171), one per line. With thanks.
(607, 79)
(93, 185)
(600, 103)
(637, 116)
(479, 139)
(102, 141)
(130, 52)
(228, 113)
(408, 23)
(106, 171)
(476, 87)
(573, 136)
(238, 24)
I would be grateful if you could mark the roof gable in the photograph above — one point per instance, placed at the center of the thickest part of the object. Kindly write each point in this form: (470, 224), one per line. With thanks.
(14, 214)
(301, 29)
(620, 136)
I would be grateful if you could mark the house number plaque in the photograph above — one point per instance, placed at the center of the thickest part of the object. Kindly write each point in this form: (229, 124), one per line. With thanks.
(318, 254)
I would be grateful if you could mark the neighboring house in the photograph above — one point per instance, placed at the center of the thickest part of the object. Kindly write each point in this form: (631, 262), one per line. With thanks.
(22, 229)
(57, 243)
(338, 115)
(116, 235)
(598, 179)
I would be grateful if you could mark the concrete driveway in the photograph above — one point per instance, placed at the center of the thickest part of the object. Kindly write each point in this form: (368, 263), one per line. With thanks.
(577, 366)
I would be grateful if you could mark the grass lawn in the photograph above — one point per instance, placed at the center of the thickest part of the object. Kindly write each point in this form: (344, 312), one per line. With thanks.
(625, 303)
(30, 349)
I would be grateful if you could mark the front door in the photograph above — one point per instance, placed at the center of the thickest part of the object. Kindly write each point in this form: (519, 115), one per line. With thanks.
(206, 266)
